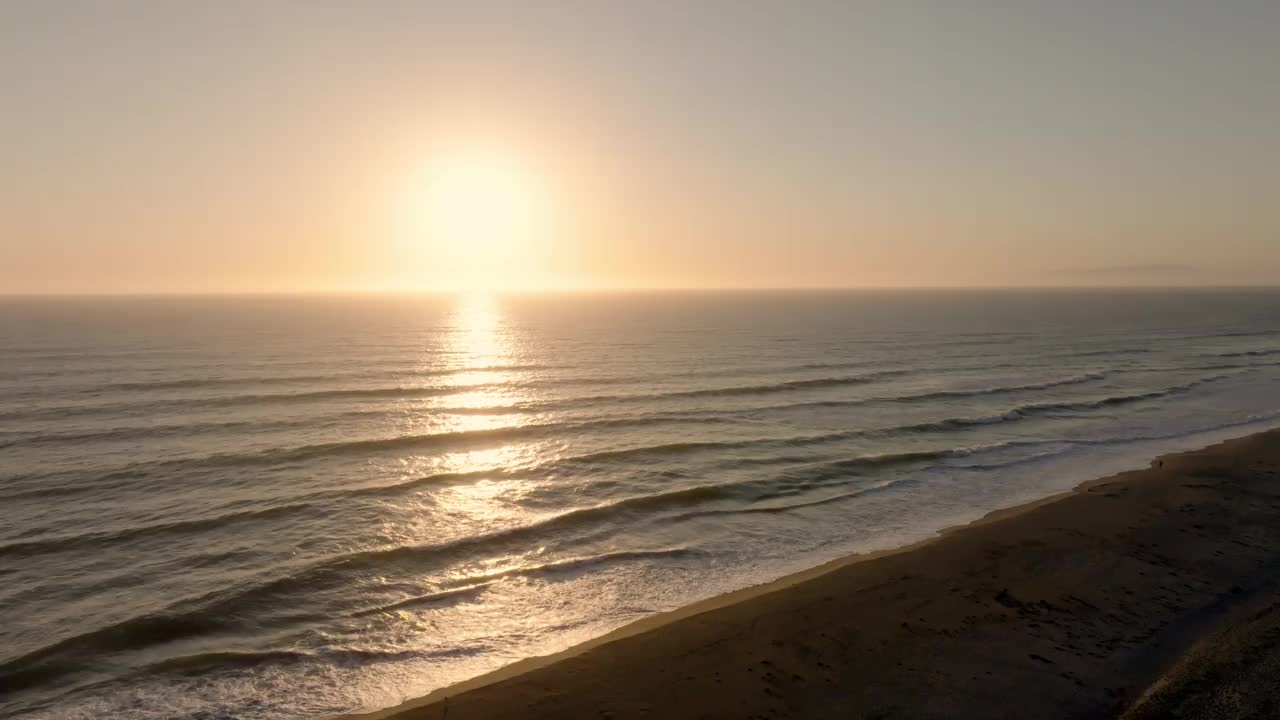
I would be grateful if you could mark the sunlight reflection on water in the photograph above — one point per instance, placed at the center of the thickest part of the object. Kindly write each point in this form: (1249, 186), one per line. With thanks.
(394, 494)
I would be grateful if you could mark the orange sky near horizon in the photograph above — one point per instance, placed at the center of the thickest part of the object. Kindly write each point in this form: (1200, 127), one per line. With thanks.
(385, 146)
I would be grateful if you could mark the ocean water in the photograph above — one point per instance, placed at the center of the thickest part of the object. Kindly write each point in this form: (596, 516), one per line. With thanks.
(295, 507)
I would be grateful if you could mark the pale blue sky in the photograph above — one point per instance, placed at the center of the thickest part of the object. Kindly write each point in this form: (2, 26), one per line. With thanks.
(180, 146)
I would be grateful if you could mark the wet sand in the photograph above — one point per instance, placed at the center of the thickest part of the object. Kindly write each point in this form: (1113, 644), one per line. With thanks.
(1151, 593)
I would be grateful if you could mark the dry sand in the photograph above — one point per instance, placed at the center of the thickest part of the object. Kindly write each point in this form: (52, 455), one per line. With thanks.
(1148, 594)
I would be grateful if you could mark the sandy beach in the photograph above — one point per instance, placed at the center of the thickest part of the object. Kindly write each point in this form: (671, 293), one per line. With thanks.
(1145, 594)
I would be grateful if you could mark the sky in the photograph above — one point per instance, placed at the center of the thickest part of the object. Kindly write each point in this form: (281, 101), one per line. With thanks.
(342, 146)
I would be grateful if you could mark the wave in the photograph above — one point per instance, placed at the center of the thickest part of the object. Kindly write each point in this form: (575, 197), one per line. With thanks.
(617, 509)
(363, 373)
(462, 439)
(68, 655)
(839, 469)
(398, 391)
(338, 571)
(816, 476)
(1109, 351)
(97, 540)
(819, 475)
(790, 507)
(1202, 368)
(943, 394)
(578, 563)
(660, 450)
(466, 592)
(785, 386)
(200, 382)
(1243, 333)
(849, 365)
(150, 630)
(538, 430)
(1250, 353)
(455, 440)
(1000, 389)
(235, 610)
(225, 659)
(1119, 399)
(626, 455)
(1030, 460)
(149, 432)
(1034, 409)
(248, 659)
(992, 390)
(43, 491)
(419, 391)
(225, 401)
(424, 391)
(730, 391)
(808, 477)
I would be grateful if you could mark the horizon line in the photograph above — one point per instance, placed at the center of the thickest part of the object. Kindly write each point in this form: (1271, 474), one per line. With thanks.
(625, 290)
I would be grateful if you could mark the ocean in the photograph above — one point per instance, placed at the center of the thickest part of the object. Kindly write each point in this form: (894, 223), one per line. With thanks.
(292, 507)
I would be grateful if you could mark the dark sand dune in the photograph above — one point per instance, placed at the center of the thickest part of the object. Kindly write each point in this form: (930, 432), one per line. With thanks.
(1151, 592)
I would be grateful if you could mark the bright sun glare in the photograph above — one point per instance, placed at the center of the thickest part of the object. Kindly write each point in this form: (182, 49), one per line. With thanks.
(478, 217)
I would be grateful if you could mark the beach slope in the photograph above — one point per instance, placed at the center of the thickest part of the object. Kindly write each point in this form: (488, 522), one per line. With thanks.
(1146, 593)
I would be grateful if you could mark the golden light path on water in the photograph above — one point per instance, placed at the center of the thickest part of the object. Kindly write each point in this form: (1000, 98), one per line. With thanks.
(472, 360)
(481, 357)
(487, 355)
(475, 489)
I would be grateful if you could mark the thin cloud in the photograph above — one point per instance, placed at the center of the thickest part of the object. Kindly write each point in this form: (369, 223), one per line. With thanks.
(1138, 269)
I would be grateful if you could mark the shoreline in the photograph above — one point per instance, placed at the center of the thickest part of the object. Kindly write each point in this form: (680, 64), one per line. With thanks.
(547, 683)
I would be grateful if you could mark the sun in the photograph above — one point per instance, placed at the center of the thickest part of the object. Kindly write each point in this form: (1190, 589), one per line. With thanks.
(479, 217)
